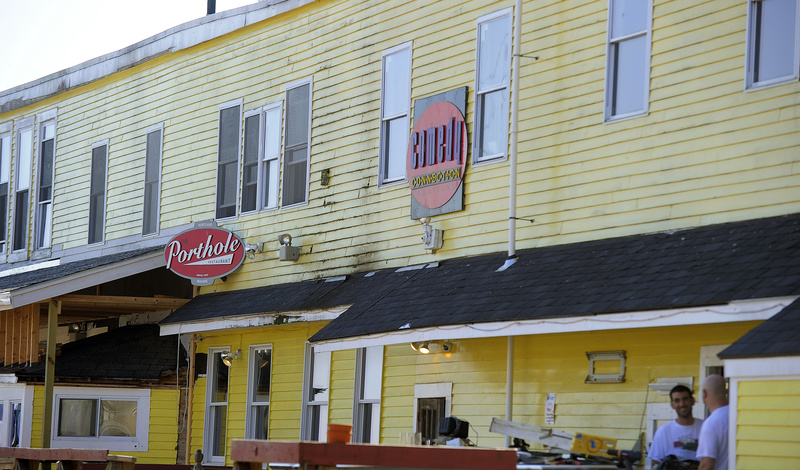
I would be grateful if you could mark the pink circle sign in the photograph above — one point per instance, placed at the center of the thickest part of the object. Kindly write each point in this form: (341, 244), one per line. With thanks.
(204, 253)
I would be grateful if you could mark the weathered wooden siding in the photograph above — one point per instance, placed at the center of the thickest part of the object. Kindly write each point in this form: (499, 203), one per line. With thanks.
(707, 152)
(768, 425)
(553, 363)
(288, 355)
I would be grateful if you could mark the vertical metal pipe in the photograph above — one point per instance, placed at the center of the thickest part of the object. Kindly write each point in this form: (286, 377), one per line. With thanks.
(509, 384)
(211, 7)
(512, 183)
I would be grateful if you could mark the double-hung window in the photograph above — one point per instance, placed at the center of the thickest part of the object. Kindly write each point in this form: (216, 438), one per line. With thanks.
(493, 68)
(628, 58)
(367, 406)
(262, 151)
(44, 197)
(297, 139)
(395, 103)
(5, 174)
(215, 435)
(152, 179)
(22, 185)
(316, 384)
(97, 192)
(113, 419)
(258, 390)
(773, 42)
(230, 124)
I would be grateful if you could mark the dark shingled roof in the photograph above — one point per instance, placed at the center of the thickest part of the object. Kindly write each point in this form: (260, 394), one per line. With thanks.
(702, 266)
(28, 278)
(130, 353)
(778, 336)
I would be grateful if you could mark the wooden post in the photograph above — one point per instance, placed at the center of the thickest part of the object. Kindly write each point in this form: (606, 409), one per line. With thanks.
(53, 310)
(190, 399)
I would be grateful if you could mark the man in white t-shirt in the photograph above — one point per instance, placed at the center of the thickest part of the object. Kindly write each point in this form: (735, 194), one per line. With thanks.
(678, 437)
(712, 450)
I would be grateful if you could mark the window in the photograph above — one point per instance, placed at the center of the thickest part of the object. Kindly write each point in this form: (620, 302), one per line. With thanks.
(111, 419)
(628, 58)
(216, 425)
(22, 184)
(262, 150)
(44, 202)
(296, 146)
(773, 42)
(367, 408)
(493, 69)
(316, 386)
(260, 377)
(395, 103)
(431, 402)
(152, 180)
(230, 119)
(97, 192)
(5, 173)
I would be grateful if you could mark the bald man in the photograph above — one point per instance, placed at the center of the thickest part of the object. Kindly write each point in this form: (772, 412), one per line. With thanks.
(712, 450)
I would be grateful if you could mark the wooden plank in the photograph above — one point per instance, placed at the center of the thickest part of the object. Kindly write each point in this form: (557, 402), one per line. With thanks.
(27, 453)
(321, 453)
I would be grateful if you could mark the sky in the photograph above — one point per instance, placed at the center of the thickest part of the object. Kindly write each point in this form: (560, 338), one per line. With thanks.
(40, 37)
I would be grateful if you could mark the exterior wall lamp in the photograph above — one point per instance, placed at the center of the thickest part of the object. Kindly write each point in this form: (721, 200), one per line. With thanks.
(228, 357)
(251, 250)
(287, 251)
(427, 347)
(432, 237)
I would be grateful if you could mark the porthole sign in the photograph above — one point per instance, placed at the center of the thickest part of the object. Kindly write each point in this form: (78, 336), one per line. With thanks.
(436, 162)
(204, 253)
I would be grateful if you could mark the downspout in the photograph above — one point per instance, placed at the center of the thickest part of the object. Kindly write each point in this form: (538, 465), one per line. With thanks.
(512, 198)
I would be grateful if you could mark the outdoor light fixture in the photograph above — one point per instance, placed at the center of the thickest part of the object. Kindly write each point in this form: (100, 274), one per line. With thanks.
(431, 238)
(428, 347)
(228, 357)
(251, 250)
(424, 349)
(287, 251)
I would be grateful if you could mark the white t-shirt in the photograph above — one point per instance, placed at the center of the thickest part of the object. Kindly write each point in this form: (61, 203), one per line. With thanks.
(676, 439)
(714, 438)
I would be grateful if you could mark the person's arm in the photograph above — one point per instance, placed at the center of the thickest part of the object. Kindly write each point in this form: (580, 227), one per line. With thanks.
(707, 463)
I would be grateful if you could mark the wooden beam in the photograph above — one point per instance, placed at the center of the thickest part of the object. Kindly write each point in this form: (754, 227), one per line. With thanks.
(123, 302)
(50, 370)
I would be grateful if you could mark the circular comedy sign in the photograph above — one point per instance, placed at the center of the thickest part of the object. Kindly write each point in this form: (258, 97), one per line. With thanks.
(204, 253)
(437, 154)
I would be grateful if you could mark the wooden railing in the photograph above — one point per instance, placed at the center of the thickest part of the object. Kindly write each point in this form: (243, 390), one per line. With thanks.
(66, 459)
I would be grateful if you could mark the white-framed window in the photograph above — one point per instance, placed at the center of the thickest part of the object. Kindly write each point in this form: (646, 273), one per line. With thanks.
(215, 437)
(154, 144)
(297, 143)
(773, 42)
(101, 418)
(229, 144)
(258, 392)
(97, 192)
(367, 400)
(22, 185)
(262, 151)
(316, 387)
(395, 112)
(628, 58)
(492, 81)
(44, 179)
(16, 414)
(431, 403)
(5, 178)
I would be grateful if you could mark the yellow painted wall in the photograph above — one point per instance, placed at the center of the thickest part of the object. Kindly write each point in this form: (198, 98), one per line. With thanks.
(162, 433)
(768, 425)
(288, 354)
(707, 152)
(552, 363)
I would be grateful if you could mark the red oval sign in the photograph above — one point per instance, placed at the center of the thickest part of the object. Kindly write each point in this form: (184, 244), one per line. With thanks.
(204, 253)
(437, 154)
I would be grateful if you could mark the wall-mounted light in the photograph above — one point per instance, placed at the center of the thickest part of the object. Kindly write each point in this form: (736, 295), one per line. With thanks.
(428, 347)
(431, 237)
(228, 357)
(251, 250)
(287, 251)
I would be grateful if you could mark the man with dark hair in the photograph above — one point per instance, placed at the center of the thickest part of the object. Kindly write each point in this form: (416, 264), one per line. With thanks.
(678, 437)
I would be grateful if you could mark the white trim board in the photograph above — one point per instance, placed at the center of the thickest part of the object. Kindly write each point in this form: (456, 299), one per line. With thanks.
(736, 311)
(250, 321)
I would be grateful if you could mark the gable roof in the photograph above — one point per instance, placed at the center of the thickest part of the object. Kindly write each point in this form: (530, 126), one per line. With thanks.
(709, 265)
(129, 353)
(778, 336)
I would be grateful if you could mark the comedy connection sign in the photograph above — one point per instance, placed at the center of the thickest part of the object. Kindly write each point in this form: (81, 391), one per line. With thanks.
(437, 155)
(204, 253)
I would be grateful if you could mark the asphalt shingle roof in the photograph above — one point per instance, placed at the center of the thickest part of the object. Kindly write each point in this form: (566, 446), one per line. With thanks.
(702, 266)
(135, 352)
(778, 336)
